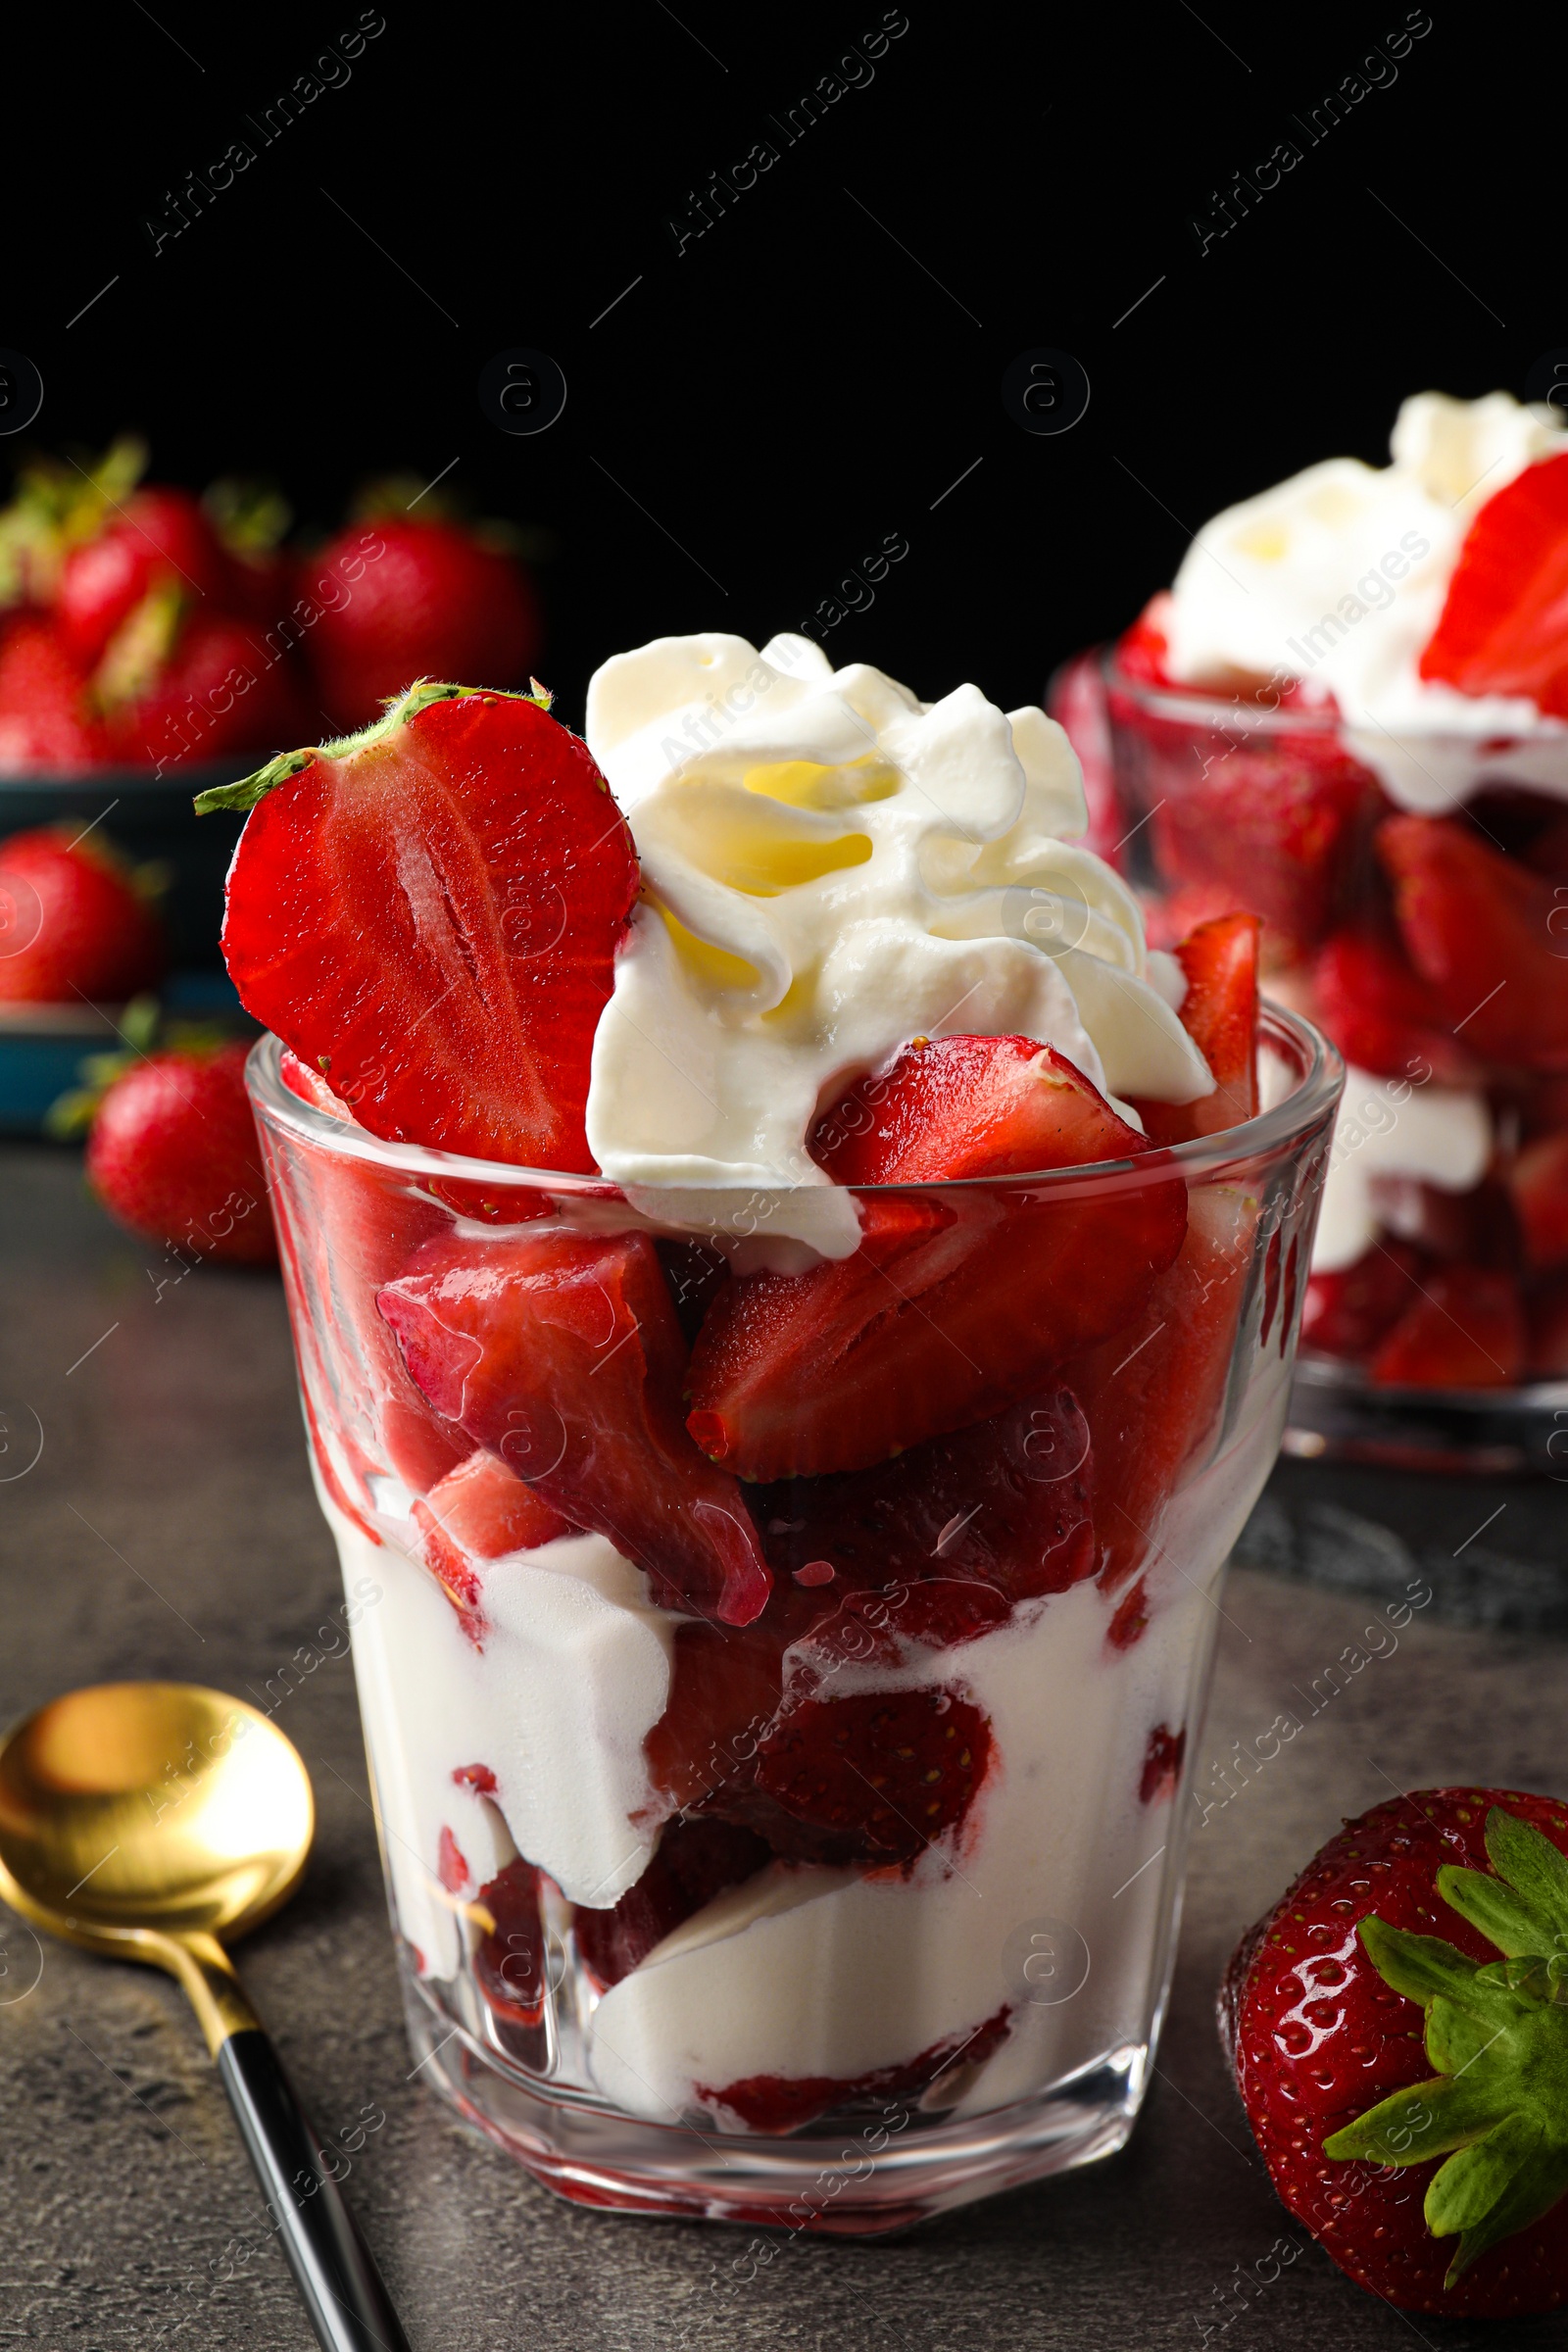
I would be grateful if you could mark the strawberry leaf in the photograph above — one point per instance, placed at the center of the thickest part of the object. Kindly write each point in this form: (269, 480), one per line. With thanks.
(1414, 2124)
(1419, 1966)
(1503, 1917)
(1535, 1870)
(1463, 2191)
(1497, 2032)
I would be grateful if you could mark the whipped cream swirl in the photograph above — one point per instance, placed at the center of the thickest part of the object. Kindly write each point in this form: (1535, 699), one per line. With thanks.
(1339, 576)
(830, 868)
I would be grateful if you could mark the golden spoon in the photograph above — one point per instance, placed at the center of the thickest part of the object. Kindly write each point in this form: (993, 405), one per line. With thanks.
(156, 1822)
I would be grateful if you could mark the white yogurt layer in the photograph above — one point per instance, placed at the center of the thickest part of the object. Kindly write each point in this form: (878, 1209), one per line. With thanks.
(810, 1971)
(1440, 1134)
(1338, 575)
(573, 1675)
(831, 868)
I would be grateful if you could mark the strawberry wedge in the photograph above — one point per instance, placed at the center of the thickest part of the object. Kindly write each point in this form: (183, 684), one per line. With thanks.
(948, 1311)
(1484, 932)
(428, 913)
(1219, 1014)
(563, 1357)
(1504, 622)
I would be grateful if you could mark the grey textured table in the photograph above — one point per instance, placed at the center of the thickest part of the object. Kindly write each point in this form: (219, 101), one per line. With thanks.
(167, 1528)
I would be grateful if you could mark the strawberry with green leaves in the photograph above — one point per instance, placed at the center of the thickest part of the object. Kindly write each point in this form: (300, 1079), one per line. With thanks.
(1399, 2029)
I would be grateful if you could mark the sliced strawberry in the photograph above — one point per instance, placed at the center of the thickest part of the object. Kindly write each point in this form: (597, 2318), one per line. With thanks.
(509, 1961)
(1219, 1014)
(1383, 1017)
(1465, 1331)
(876, 1778)
(563, 1355)
(428, 913)
(951, 1308)
(346, 1229)
(1004, 1506)
(724, 1691)
(1269, 821)
(695, 1861)
(1153, 1393)
(1349, 1312)
(1478, 927)
(479, 1512)
(777, 2103)
(1538, 1182)
(1504, 623)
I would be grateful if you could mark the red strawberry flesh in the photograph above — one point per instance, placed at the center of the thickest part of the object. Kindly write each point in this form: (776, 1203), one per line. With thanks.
(429, 915)
(563, 1355)
(1504, 622)
(950, 1309)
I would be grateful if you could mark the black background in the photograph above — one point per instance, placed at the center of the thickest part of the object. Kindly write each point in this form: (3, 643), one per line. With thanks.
(804, 379)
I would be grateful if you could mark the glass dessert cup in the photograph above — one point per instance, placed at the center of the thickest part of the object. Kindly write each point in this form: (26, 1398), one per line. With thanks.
(865, 1907)
(1448, 1180)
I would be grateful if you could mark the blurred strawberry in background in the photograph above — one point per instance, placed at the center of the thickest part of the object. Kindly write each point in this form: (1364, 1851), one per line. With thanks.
(434, 597)
(141, 625)
(172, 1146)
(77, 920)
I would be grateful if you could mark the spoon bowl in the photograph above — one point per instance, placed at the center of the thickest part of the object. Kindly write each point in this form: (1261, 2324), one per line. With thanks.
(150, 1807)
(157, 1822)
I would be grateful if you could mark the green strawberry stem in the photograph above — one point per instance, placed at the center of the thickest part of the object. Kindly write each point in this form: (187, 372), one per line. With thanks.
(398, 710)
(1498, 2034)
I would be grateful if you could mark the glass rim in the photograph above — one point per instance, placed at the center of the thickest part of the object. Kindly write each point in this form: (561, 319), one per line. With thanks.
(1285, 1123)
(1205, 707)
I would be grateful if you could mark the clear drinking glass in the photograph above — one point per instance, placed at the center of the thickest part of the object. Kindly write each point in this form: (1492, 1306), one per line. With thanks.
(1207, 802)
(680, 1922)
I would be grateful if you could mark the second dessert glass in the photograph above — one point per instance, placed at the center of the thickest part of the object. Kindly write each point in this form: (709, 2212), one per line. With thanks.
(866, 1907)
(1412, 899)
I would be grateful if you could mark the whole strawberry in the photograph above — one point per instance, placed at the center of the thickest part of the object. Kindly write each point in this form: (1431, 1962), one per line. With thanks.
(173, 1155)
(400, 599)
(159, 536)
(209, 687)
(74, 923)
(48, 720)
(1399, 2029)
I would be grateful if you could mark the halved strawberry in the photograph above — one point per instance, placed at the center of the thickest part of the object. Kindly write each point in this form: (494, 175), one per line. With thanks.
(563, 1355)
(951, 1308)
(1539, 1183)
(1478, 927)
(1465, 1331)
(1383, 1017)
(1504, 623)
(875, 1777)
(1219, 1014)
(428, 913)
(695, 1861)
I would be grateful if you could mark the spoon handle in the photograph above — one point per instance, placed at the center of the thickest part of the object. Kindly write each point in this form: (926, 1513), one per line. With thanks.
(332, 2268)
